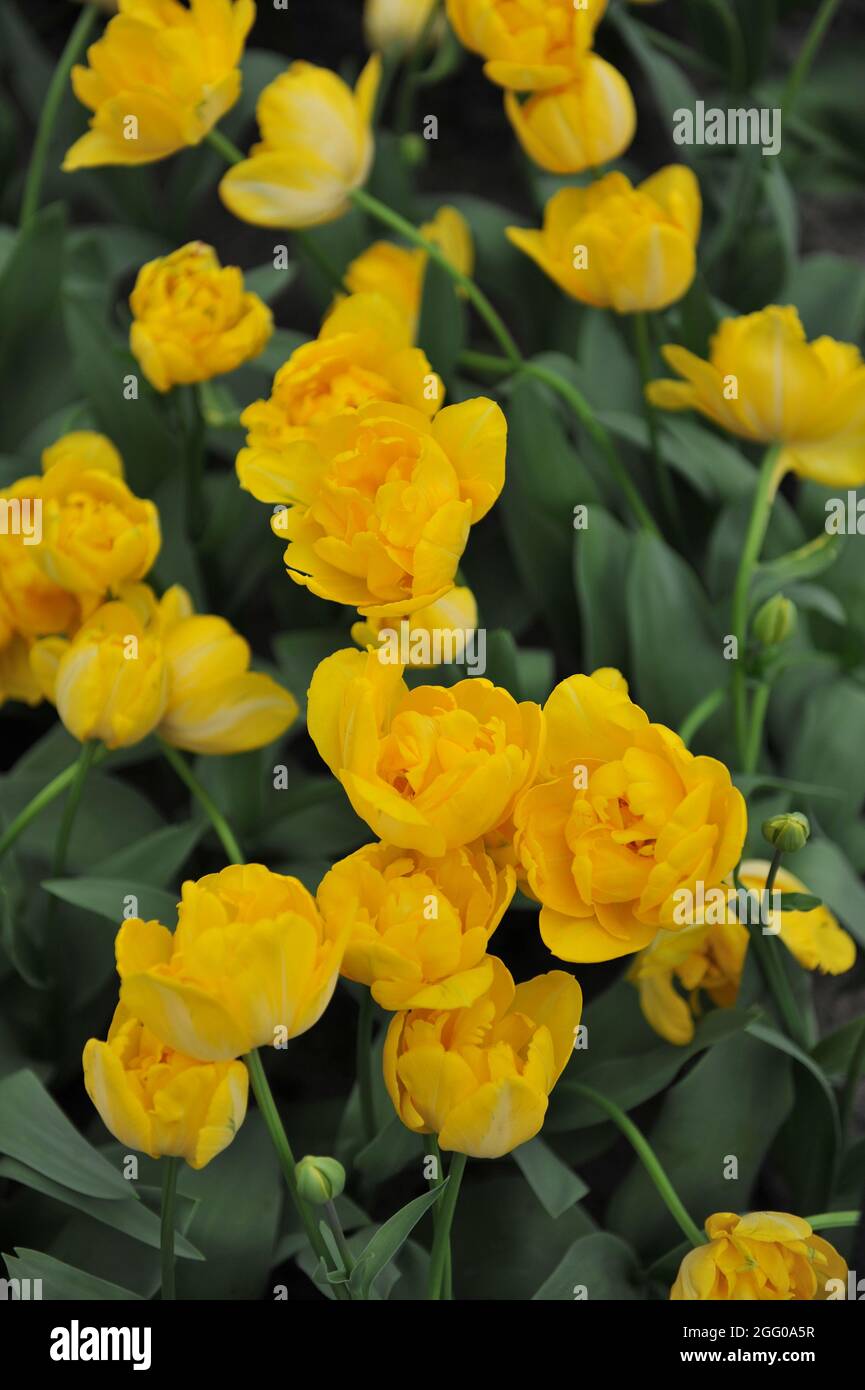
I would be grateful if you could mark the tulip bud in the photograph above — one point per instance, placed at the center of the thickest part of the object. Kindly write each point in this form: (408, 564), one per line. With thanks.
(775, 621)
(413, 150)
(789, 832)
(319, 1180)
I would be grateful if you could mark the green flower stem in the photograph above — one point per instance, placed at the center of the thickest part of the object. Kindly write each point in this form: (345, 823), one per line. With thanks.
(826, 1220)
(404, 228)
(498, 366)
(217, 820)
(170, 1167)
(276, 1130)
(86, 759)
(232, 155)
(70, 55)
(447, 1280)
(764, 494)
(808, 53)
(364, 1069)
(333, 1221)
(851, 1081)
(56, 787)
(669, 501)
(755, 726)
(649, 1160)
(411, 72)
(701, 712)
(737, 57)
(442, 1234)
(773, 968)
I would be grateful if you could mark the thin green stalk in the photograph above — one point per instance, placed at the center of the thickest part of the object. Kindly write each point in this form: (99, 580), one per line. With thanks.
(70, 55)
(447, 1281)
(773, 967)
(279, 1138)
(217, 820)
(701, 712)
(409, 82)
(88, 752)
(649, 1160)
(761, 510)
(499, 366)
(807, 53)
(56, 787)
(170, 1169)
(333, 1221)
(826, 1220)
(364, 1070)
(221, 143)
(667, 492)
(851, 1081)
(442, 1235)
(737, 57)
(473, 292)
(756, 722)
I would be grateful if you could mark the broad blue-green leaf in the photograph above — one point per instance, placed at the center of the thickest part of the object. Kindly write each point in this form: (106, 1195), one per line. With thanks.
(61, 1282)
(600, 559)
(34, 1130)
(107, 897)
(389, 1238)
(556, 1187)
(158, 858)
(601, 1265)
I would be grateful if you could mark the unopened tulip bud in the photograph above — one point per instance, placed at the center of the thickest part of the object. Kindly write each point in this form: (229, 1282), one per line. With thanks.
(788, 833)
(775, 621)
(320, 1180)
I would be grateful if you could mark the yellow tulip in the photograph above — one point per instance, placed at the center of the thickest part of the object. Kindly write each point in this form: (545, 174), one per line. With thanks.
(619, 247)
(527, 46)
(479, 1077)
(766, 383)
(398, 23)
(383, 500)
(316, 147)
(456, 613)
(160, 1101)
(764, 1257)
(429, 769)
(397, 272)
(109, 682)
(142, 665)
(421, 926)
(96, 535)
(192, 318)
(587, 123)
(622, 818)
(215, 703)
(362, 354)
(815, 938)
(698, 957)
(17, 681)
(159, 79)
(252, 963)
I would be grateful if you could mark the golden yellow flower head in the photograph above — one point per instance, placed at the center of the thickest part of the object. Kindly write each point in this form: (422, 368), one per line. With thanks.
(581, 126)
(622, 817)
(527, 46)
(421, 926)
(441, 622)
(160, 1101)
(141, 665)
(363, 353)
(252, 963)
(316, 147)
(701, 957)
(479, 1077)
(765, 382)
(96, 536)
(109, 682)
(17, 681)
(429, 769)
(383, 499)
(193, 319)
(766, 1256)
(398, 23)
(815, 938)
(159, 79)
(397, 272)
(619, 247)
